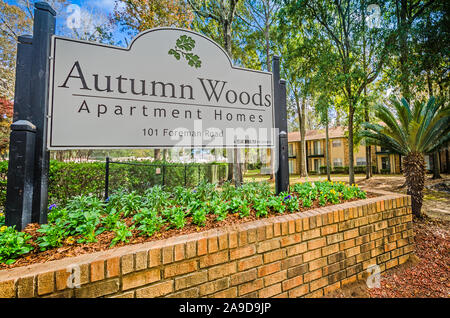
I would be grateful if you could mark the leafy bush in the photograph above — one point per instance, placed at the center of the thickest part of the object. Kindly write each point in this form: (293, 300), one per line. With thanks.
(13, 244)
(83, 218)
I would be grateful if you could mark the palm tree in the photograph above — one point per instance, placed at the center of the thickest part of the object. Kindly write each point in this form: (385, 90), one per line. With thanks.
(411, 132)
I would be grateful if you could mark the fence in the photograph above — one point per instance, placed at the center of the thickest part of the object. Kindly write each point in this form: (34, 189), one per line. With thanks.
(68, 179)
(136, 176)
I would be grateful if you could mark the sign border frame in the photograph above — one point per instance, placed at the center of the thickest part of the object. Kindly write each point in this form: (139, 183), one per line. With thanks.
(54, 39)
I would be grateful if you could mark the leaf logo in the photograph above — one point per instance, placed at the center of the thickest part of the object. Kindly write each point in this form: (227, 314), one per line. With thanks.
(183, 48)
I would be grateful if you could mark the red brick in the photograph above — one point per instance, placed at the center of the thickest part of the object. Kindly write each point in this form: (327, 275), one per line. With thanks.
(250, 287)
(98, 289)
(227, 293)
(243, 277)
(46, 282)
(7, 289)
(275, 278)
(156, 290)
(307, 235)
(202, 246)
(112, 267)
(213, 259)
(154, 256)
(213, 244)
(291, 239)
(190, 280)
(292, 282)
(268, 245)
(273, 256)
(318, 284)
(242, 252)
(180, 268)
(127, 262)
(318, 263)
(180, 253)
(167, 254)
(299, 291)
(223, 270)
(233, 239)
(297, 249)
(25, 287)
(61, 279)
(329, 229)
(308, 256)
(313, 275)
(140, 278)
(97, 270)
(250, 262)
(269, 269)
(223, 241)
(140, 260)
(270, 291)
(317, 243)
(214, 286)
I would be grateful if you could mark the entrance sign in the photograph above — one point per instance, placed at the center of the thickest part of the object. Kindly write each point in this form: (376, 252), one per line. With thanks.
(170, 87)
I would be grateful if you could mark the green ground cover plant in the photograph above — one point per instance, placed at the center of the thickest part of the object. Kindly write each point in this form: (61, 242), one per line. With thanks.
(127, 214)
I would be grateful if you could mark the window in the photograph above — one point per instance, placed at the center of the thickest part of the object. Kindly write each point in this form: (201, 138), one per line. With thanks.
(317, 149)
(361, 161)
(337, 143)
(291, 166)
(290, 150)
(337, 162)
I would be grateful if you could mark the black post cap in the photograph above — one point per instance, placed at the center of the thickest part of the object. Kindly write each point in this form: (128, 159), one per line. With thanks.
(23, 125)
(25, 38)
(45, 7)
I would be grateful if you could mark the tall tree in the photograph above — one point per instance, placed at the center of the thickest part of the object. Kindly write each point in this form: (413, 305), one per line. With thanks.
(14, 22)
(223, 14)
(261, 16)
(338, 20)
(139, 15)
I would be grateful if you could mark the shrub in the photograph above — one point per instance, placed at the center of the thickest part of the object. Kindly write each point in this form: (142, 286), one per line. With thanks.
(13, 244)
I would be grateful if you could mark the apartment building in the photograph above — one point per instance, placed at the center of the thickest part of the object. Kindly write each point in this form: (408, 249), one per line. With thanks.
(383, 160)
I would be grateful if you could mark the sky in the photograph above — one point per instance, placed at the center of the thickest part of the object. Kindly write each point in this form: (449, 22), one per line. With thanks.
(91, 9)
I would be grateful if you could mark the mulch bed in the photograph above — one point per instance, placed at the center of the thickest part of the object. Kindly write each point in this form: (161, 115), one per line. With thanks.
(104, 239)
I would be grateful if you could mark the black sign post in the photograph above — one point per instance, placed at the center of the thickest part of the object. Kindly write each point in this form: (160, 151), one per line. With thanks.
(281, 141)
(27, 196)
(43, 29)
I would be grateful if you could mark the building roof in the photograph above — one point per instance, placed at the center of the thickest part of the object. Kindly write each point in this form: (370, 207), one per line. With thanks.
(333, 132)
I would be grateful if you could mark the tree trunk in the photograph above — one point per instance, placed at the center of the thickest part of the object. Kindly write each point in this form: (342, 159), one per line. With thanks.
(327, 152)
(404, 51)
(436, 168)
(351, 173)
(157, 154)
(368, 148)
(414, 167)
(303, 166)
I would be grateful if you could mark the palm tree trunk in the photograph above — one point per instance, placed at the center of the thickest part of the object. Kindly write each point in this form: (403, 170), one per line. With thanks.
(414, 170)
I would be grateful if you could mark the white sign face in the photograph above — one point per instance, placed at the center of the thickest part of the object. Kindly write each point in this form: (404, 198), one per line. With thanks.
(171, 87)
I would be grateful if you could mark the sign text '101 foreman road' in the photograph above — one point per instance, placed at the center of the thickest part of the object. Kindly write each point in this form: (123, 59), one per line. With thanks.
(171, 87)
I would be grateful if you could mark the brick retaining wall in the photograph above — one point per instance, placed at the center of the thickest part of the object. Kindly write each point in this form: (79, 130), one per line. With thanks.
(294, 255)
